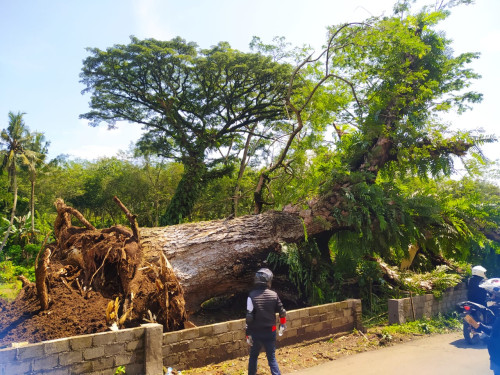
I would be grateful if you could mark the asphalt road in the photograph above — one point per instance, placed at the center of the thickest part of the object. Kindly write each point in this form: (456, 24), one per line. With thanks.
(436, 355)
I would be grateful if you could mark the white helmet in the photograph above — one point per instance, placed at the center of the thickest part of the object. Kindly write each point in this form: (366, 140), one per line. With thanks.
(479, 271)
(492, 286)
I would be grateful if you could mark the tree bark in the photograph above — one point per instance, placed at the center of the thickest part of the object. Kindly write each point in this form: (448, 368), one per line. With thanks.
(219, 257)
(41, 279)
(32, 207)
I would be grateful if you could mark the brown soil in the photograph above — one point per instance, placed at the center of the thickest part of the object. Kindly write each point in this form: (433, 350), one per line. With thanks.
(70, 314)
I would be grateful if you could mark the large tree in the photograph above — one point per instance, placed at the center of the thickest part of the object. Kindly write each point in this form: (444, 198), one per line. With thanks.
(195, 104)
(392, 77)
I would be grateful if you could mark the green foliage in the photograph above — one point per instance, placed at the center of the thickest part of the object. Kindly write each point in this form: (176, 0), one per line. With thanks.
(144, 184)
(120, 370)
(9, 285)
(308, 270)
(303, 177)
(381, 219)
(438, 280)
(458, 218)
(19, 147)
(453, 218)
(7, 271)
(439, 324)
(402, 74)
(22, 235)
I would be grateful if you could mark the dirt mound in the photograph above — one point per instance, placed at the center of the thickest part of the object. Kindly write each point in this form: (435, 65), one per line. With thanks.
(70, 314)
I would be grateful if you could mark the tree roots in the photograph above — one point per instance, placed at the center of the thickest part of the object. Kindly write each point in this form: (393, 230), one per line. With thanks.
(109, 262)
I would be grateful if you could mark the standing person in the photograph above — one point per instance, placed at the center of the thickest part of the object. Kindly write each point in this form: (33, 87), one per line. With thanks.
(474, 292)
(493, 344)
(262, 306)
(494, 347)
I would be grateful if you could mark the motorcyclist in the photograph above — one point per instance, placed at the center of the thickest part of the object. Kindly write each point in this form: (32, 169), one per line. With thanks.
(493, 344)
(262, 306)
(474, 292)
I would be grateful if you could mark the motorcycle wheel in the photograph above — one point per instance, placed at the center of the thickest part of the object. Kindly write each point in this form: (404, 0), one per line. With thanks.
(470, 335)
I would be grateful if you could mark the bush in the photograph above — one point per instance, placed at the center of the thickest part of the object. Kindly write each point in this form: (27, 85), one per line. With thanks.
(21, 256)
(9, 285)
(14, 253)
(438, 324)
(6, 271)
(9, 272)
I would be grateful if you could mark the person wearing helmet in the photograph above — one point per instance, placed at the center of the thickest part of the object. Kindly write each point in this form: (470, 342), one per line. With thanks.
(262, 306)
(474, 292)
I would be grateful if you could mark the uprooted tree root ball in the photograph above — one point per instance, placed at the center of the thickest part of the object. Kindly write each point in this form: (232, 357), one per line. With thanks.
(99, 274)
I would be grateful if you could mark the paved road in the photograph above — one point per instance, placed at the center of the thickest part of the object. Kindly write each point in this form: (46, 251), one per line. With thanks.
(437, 355)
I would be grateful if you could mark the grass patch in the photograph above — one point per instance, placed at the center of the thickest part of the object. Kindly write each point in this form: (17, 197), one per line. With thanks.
(10, 286)
(438, 324)
(9, 291)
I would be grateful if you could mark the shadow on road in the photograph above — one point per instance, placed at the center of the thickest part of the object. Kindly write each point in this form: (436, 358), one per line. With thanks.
(463, 345)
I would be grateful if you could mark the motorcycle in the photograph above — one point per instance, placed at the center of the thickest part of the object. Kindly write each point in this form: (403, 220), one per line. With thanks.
(474, 313)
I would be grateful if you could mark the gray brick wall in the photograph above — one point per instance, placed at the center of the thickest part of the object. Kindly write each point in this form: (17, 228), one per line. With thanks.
(99, 353)
(196, 347)
(146, 349)
(425, 306)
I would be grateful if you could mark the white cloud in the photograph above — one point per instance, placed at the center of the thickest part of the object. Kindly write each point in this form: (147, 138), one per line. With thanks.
(86, 142)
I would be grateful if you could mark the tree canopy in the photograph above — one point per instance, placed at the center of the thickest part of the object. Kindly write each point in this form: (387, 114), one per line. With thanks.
(196, 105)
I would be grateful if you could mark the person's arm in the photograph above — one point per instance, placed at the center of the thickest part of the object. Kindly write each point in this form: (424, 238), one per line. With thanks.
(484, 328)
(250, 315)
(249, 319)
(282, 312)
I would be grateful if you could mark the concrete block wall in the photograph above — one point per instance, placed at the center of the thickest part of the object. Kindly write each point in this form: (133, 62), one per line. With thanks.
(96, 354)
(425, 306)
(196, 347)
(146, 349)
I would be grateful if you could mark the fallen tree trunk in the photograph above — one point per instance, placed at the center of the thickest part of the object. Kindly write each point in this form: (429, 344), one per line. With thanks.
(219, 257)
(158, 274)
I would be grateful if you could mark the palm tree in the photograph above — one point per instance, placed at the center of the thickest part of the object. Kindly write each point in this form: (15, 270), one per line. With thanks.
(14, 142)
(35, 153)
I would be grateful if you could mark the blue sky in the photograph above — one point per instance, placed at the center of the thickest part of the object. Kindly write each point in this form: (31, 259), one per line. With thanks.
(43, 44)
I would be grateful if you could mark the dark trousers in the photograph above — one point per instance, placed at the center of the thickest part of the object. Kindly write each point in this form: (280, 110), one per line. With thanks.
(268, 341)
(495, 368)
